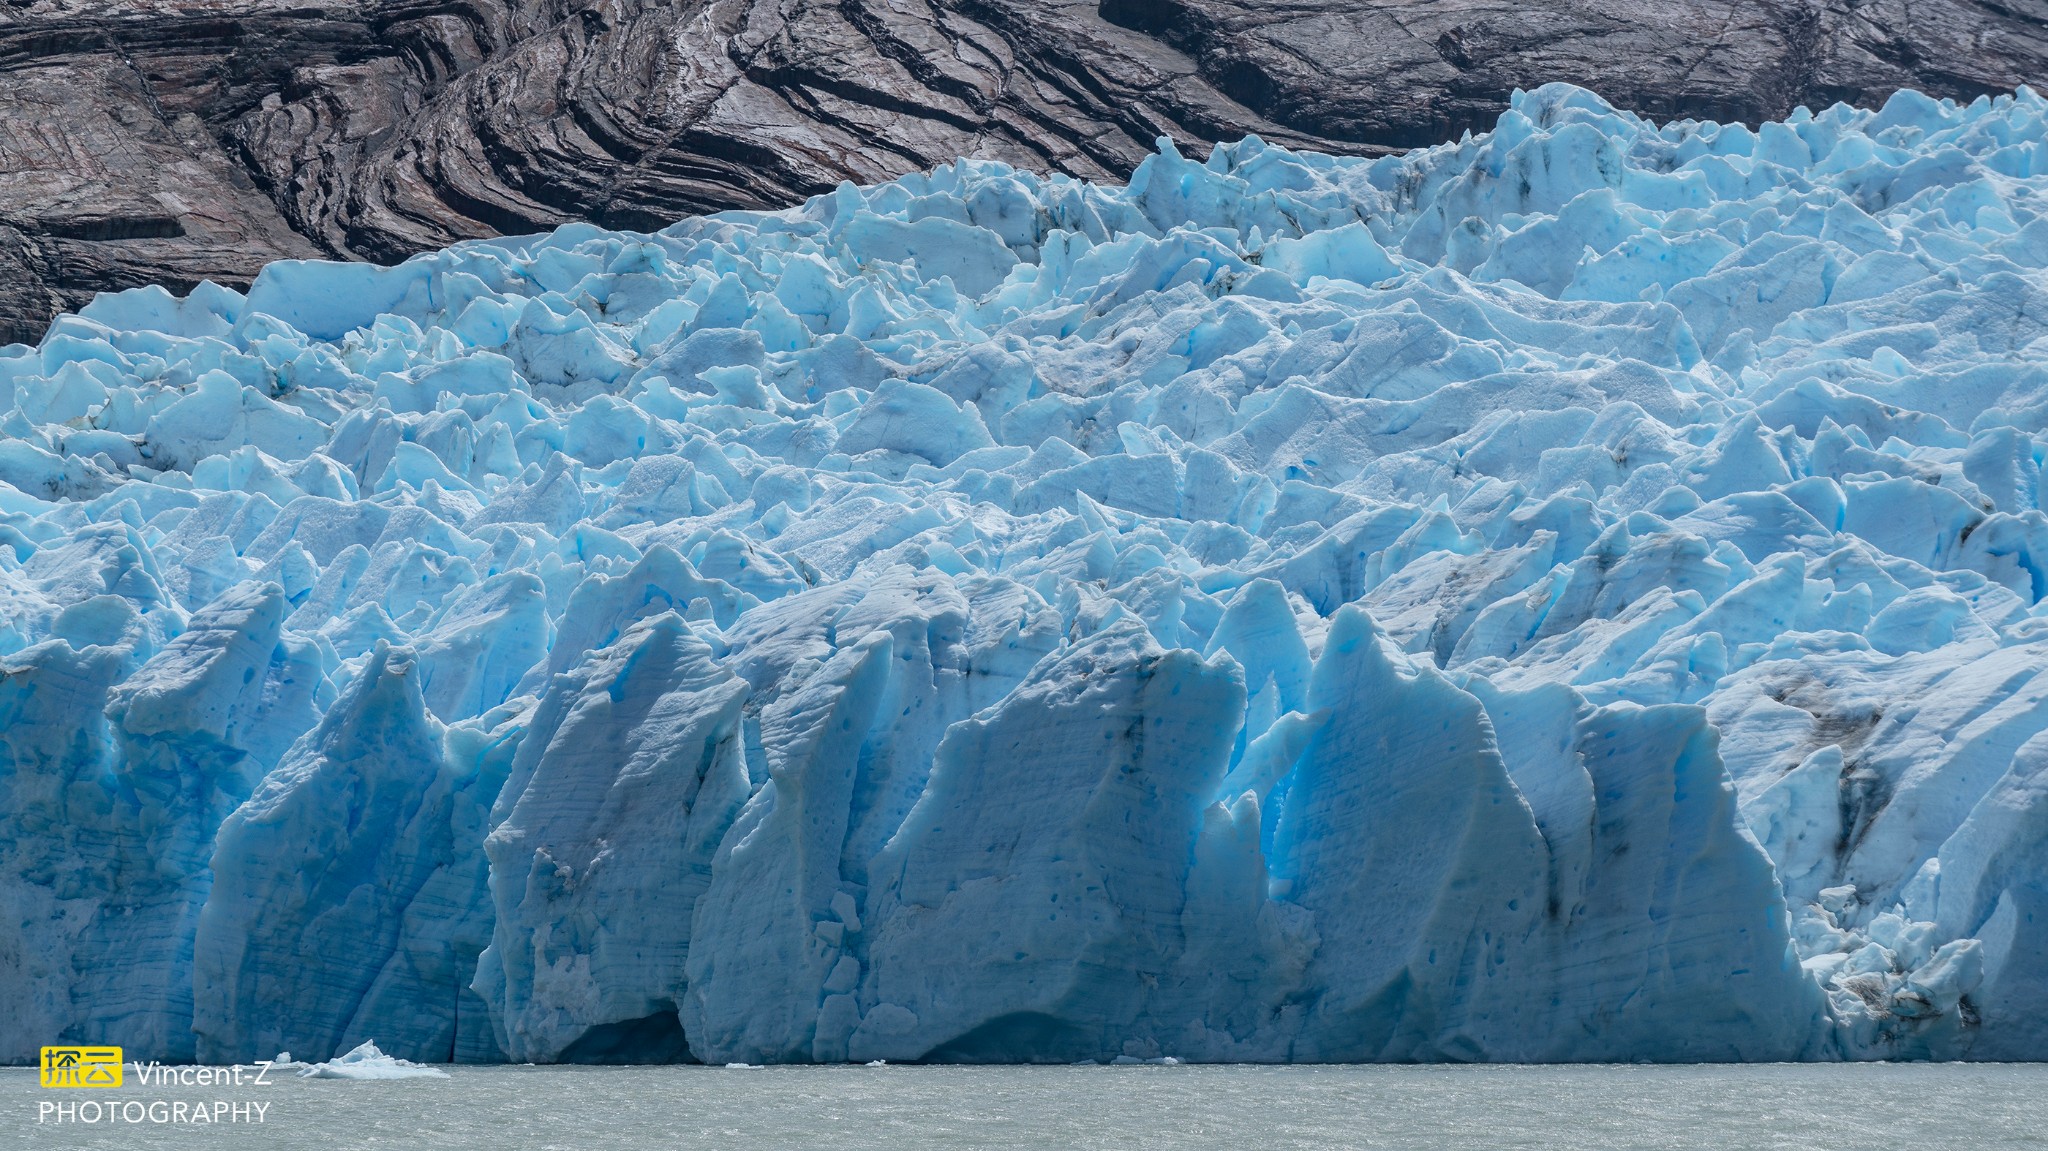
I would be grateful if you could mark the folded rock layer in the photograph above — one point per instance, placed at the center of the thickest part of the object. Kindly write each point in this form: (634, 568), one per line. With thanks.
(168, 142)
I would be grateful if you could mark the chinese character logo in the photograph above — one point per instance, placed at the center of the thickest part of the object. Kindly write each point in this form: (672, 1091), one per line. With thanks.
(81, 1066)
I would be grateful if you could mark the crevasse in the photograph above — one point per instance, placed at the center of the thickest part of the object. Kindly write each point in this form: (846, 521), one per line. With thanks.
(1574, 593)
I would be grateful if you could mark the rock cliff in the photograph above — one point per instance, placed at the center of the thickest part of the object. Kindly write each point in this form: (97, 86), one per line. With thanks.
(152, 141)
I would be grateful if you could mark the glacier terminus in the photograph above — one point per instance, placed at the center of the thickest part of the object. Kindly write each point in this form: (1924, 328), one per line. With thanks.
(1574, 593)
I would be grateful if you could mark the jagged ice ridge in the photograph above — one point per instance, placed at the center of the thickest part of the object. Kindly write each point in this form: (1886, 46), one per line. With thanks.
(1574, 593)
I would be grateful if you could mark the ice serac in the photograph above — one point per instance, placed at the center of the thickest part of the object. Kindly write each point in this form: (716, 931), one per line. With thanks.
(867, 676)
(778, 911)
(115, 850)
(1027, 913)
(58, 872)
(1989, 902)
(1401, 832)
(1602, 877)
(1573, 593)
(1676, 932)
(630, 772)
(327, 924)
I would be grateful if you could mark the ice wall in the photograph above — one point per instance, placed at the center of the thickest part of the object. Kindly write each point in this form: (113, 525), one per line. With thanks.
(1574, 593)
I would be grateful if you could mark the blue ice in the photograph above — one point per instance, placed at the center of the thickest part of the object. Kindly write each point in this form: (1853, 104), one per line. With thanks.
(1575, 593)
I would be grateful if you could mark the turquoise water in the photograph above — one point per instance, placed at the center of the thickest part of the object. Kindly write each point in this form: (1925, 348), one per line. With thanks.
(1923, 1107)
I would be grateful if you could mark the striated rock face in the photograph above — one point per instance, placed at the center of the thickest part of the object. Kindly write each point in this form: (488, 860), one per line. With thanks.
(150, 141)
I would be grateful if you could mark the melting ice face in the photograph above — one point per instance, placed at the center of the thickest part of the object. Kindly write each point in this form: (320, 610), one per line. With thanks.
(1569, 594)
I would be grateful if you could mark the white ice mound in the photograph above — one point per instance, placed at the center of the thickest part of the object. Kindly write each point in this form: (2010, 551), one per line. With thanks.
(1575, 593)
(366, 1062)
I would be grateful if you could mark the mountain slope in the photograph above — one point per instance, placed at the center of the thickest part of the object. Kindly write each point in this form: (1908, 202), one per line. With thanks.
(159, 142)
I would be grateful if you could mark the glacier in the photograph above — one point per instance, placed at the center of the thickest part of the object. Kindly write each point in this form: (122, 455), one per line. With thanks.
(1573, 593)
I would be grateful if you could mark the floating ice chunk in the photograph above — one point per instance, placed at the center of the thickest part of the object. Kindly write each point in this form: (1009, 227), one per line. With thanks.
(366, 1062)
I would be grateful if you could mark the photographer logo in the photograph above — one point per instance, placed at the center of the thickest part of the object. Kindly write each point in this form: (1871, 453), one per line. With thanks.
(81, 1066)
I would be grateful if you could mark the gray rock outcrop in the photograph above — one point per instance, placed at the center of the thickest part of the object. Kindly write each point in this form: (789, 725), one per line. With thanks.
(169, 141)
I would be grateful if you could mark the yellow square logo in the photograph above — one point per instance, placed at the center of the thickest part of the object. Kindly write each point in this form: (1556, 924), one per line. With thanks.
(81, 1066)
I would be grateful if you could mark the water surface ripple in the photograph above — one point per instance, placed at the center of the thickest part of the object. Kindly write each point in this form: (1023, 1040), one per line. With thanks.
(1926, 1107)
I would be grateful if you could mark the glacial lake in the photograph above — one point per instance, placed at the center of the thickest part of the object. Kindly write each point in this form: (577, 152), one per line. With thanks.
(1925, 1107)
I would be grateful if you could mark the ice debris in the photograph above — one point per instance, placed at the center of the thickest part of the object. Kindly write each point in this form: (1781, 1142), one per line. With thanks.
(366, 1062)
(1573, 593)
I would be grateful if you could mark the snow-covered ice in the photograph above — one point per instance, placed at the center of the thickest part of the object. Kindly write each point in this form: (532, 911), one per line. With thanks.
(1574, 593)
